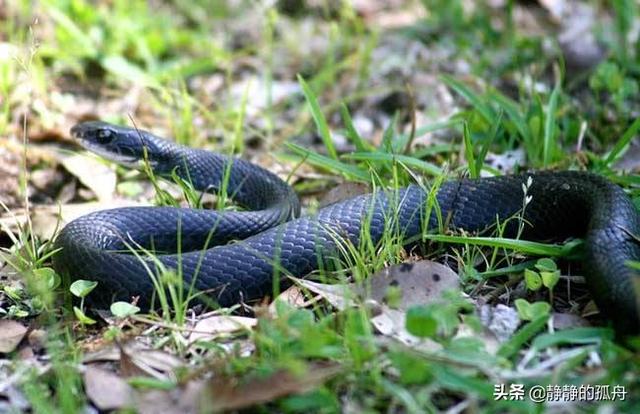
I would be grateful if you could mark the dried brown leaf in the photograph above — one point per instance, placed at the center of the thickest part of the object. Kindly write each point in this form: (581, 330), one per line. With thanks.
(147, 362)
(293, 296)
(11, 334)
(105, 389)
(97, 176)
(218, 325)
(419, 283)
(340, 296)
(223, 393)
(177, 401)
(47, 219)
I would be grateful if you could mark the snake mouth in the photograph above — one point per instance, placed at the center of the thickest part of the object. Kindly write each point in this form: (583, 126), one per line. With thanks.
(102, 139)
(112, 155)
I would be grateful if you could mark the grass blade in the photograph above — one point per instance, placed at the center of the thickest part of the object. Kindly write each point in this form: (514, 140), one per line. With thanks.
(450, 123)
(473, 98)
(318, 118)
(582, 335)
(123, 69)
(349, 171)
(468, 150)
(525, 333)
(495, 130)
(549, 126)
(404, 159)
(524, 246)
(512, 110)
(388, 144)
(620, 148)
(82, 39)
(352, 133)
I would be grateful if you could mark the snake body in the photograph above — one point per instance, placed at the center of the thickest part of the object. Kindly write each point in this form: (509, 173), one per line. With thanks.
(274, 243)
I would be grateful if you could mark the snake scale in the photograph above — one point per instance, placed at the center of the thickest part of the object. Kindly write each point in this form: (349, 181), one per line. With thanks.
(273, 242)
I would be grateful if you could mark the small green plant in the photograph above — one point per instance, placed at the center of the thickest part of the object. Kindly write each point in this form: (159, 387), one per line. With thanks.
(547, 275)
(81, 289)
(625, 12)
(439, 318)
(532, 279)
(126, 40)
(531, 311)
(29, 257)
(123, 309)
(372, 162)
(420, 322)
(610, 82)
(535, 125)
(413, 368)
(58, 389)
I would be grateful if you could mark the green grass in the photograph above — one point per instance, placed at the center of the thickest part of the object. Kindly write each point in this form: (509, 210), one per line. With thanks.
(125, 44)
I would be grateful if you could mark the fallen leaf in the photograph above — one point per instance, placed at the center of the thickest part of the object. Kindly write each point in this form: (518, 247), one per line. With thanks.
(218, 325)
(392, 323)
(137, 359)
(418, 283)
(11, 334)
(176, 401)
(223, 393)
(94, 174)
(107, 353)
(46, 220)
(147, 362)
(105, 389)
(293, 296)
(340, 296)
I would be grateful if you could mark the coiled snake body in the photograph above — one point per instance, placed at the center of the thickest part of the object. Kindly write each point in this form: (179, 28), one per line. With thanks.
(275, 243)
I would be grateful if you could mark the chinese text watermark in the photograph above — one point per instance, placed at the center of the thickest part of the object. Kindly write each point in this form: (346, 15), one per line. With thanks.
(559, 393)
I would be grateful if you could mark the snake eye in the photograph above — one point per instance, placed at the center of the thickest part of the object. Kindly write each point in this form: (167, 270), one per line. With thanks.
(105, 136)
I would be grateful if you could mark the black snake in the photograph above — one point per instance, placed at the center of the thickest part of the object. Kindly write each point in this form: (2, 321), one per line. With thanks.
(275, 243)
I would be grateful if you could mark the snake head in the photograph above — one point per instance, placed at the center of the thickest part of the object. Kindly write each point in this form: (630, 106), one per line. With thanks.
(126, 146)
